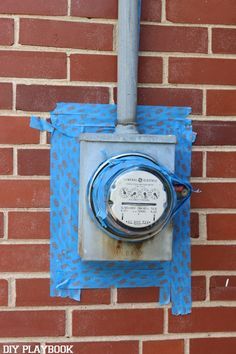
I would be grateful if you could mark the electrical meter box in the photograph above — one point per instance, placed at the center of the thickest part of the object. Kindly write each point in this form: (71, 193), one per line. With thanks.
(125, 202)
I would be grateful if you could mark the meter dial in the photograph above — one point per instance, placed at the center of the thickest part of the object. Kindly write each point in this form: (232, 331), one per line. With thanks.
(138, 199)
(154, 194)
(124, 193)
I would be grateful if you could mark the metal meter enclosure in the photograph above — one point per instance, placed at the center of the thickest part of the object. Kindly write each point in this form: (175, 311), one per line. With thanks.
(136, 201)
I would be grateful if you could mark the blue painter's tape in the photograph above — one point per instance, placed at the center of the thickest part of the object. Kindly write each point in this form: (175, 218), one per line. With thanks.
(41, 124)
(68, 273)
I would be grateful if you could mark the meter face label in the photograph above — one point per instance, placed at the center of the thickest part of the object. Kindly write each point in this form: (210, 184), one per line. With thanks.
(137, 199)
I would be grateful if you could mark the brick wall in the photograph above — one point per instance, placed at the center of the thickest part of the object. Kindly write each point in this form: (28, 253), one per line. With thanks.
(65, 50)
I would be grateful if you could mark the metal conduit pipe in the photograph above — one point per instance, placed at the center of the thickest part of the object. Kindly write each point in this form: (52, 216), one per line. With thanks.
(128, 44)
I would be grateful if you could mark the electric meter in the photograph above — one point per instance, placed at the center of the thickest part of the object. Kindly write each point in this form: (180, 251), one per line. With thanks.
(128, 196)
(131, 197)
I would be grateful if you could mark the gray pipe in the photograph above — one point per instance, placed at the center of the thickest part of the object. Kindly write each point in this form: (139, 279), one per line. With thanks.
(128, 43)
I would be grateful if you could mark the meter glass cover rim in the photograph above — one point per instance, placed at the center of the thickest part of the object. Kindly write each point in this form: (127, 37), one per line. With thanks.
(125, 233)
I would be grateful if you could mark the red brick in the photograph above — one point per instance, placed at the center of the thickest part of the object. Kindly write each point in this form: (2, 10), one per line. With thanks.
(223, 288)
(215, 133)
(173, 39)
(150, 70)
(33, 162)
(42, 98)
(6, 161)
(93, 68)
(32, 323)
(194, 223)
(151, 9)
(224, 40)
(164, 347)
(117, 322)
(214, 257)
(221, 164)
(198, 288)
(207, 319)
(32, 64)
(214, 195)
(5, 96)
(92, 9)
(151, 294)
(201, 11)
(3, 292)
(171, 97)
(116, 347)
(104, 68)
(202, 71)
(221, 102)
(6, 31)
(1, 224)
(62, 34)
(15, 130)
(221, 227)
(36, 292)
(32, 7)
(24, 258)
(24, 194)
(137, 295)
(28, 225)
(196, 164)
(213, 345)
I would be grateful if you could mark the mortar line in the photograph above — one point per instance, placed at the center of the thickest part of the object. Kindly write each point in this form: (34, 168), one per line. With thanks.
(113, 295)
(207, 288)
(68, 329)
(12, 293)
(43, 139)
(13, 97)
(63, 82)
(212, 180)
(204, 102)
(15, 161)
(25, 242)
(163, 12)
(214, 148)
(165, 73)
(209, 40)
(111, 98)
(166, 321)
(66, 18)
(140, 347)
(199, 242)
(16, 31)
(202, 227)
(151, 53)
(42, 345)
(5, 226)
(204, 164)
(68, 67)
(33, 210)
(25, 178)
(186, 346)
(62, 339)
(118, 307)
(69, 8)
(214, 211)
